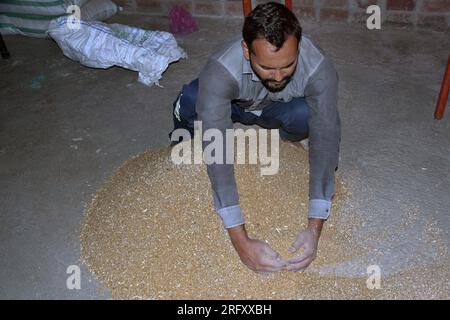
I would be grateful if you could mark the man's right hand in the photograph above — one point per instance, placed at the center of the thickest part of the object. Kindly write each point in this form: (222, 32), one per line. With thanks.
(255, 254)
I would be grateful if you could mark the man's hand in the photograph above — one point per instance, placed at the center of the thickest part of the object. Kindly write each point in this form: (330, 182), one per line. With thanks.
(255, 254)
(308, 240)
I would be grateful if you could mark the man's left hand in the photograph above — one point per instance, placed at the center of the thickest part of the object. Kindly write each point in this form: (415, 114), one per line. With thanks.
(307, 240)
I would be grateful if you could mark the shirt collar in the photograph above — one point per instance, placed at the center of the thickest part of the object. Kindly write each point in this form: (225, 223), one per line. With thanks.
(247, 69)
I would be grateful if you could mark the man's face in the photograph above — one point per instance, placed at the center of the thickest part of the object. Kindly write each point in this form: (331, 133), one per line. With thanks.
(274, 68)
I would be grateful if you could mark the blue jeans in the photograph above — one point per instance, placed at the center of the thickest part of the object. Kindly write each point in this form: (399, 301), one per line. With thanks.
(291, 118)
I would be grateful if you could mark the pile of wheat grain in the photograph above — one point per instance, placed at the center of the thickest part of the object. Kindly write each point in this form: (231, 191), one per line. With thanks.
(151, 233)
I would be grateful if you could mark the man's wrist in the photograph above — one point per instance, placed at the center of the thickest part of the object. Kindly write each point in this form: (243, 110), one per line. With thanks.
(238, 235)
(316, 225)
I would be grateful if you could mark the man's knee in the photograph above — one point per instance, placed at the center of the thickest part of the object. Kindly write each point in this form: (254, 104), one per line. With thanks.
(188, 100)
(184, 113)
(296, 119)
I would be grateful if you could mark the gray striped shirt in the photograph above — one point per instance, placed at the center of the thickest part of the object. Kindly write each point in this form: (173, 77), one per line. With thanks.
(228, 77)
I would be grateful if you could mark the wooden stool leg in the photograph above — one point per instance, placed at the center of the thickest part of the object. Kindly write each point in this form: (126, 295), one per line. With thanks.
(247, 5)
(3, 49)
(443, 94)
(288, 4)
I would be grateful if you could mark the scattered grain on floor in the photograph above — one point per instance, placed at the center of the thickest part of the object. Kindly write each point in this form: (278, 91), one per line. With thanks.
(151, 233)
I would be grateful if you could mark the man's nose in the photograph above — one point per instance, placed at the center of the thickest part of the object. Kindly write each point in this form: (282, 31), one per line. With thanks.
(278, 76)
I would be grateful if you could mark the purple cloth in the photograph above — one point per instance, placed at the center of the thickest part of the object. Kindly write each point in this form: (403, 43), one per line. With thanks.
(181, 21)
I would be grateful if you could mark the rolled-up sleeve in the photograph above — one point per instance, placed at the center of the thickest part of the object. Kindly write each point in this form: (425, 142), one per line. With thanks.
(217, 88)
(321, 94)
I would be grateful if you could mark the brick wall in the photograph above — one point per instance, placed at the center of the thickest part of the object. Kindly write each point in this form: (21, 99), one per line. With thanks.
(418, 14)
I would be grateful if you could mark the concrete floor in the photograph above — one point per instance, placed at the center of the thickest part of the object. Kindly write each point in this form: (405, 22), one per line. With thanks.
(65, 128)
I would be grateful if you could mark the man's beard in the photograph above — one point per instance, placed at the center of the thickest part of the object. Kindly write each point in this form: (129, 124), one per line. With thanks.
(275, 86)
(272, 85)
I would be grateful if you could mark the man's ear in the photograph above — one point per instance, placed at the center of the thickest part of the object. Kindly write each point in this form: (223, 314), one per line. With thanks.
(245, 50)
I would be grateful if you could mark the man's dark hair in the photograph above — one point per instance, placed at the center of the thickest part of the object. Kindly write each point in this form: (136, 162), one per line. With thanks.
(273, 22)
